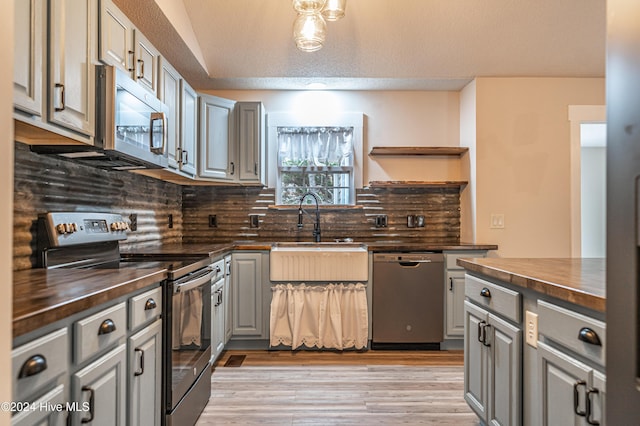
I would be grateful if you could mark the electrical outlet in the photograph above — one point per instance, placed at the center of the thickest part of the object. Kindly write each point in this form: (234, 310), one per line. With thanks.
(381, 221)
(213, 221)
(133, 221)
(170, 220)
(254, 221)
(497, 221)
(531, 329)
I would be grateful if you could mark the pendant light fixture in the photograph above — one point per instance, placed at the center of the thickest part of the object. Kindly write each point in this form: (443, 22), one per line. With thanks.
(334, 9)
(310, 28)
(309, 31)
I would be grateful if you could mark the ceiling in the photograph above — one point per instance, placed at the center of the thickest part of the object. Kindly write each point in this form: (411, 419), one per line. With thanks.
(380, 44)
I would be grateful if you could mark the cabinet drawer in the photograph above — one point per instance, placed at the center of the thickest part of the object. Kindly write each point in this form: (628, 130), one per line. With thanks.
(99, 331)
(145, 307)
(565, 327)
(38, 362)
(218, 270)
(452, 257)
(501, 300)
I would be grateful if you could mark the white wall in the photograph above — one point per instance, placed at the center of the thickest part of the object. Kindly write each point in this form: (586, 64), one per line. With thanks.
(523, 161)
(468, 139)
(6, 207)
(593, 201)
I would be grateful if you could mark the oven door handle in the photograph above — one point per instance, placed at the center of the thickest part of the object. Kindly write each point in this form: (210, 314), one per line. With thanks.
(205, 279)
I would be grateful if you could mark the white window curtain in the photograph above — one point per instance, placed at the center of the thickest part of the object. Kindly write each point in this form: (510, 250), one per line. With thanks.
(331, 316)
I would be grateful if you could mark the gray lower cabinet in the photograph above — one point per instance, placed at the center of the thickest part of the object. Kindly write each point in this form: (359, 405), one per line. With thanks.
(570, 363)
(228, 309)
(250, 295)
(99, 390)
(454, 292)
(217, 319)
(492, 366)
(566, 385)
(144, 376)
(103, 366)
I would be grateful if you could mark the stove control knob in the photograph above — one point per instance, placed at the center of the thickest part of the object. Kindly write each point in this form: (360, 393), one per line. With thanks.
(74, 227)
(60, 228)
(67, 228)
(114, 226)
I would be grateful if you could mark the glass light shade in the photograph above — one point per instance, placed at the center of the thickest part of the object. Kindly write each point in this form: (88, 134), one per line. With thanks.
(308, 6)
(334, 9)
(309, 31)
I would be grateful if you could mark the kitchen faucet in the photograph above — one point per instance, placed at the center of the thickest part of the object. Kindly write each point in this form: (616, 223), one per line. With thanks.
(316, 225)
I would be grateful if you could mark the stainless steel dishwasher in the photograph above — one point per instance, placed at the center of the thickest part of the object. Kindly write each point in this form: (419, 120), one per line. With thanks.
(408, 301)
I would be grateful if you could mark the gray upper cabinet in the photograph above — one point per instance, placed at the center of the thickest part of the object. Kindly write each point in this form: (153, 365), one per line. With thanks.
(73, 32)
(251, 144)
(215, 157)
(124, 47)
(170, 94)
(29, 55)
(188, 129)
(147, 59)
(116, 37)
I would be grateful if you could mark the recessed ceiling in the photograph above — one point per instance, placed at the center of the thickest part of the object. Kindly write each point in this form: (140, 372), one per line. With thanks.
(390, 44)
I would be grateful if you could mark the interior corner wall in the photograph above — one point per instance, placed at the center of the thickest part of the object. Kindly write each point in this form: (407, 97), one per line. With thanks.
(523, 161)
(468, 139)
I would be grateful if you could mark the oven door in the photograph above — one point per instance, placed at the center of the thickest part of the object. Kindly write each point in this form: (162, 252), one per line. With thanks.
(188, 343)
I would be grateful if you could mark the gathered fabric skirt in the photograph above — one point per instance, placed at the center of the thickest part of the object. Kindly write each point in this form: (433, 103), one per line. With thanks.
(330, 316)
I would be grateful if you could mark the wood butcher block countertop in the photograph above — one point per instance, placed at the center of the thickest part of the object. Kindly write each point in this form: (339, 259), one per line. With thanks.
(43, 296)
(578, 281)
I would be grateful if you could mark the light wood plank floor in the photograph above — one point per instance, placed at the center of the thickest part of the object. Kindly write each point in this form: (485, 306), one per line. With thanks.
(339, 388)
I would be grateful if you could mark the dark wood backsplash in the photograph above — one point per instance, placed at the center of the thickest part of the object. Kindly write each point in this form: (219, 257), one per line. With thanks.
(46, 183)
(233, 206)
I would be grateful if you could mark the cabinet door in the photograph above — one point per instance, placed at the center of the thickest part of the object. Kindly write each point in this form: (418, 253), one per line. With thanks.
(246, 279)
(188, 129)
(217, 320)
(73, 33)
(170, 95)
(216, 155)
(251, 142)
(476, 360)
(228, 310)
(505, 388)
(29, 29)
(116, 37)
(147, 62)
(145, 372)
(99, 390)
(597, 396)
(561, 378)
(41, 416)
(455, 304)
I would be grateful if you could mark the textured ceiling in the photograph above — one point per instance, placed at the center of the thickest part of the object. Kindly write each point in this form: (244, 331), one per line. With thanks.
(385, 44)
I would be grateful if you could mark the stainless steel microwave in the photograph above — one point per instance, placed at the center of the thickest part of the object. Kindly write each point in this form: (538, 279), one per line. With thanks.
(131, 127)
(131, 121)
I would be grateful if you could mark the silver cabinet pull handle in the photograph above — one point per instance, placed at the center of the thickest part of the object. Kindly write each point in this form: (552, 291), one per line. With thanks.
(140, 68)
(60, 88)
(92, 397)
(576, 397)
(141, 372)
(34, 365)
(131, 60)
(233, 168)
(150, 305)
(587, 335)
(107, 326)
(590, 420)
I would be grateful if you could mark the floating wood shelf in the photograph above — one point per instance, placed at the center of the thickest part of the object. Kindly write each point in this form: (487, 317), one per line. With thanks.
(416, 184)
(418, 150)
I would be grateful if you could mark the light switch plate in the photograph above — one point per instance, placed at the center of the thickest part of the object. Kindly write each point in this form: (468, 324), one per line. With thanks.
(531, 328)
(497, 221)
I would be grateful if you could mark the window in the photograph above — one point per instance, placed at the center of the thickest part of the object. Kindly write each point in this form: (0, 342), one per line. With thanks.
(316, 159)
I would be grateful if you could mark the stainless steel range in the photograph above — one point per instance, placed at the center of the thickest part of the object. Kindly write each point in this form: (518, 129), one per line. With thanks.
(91, 240)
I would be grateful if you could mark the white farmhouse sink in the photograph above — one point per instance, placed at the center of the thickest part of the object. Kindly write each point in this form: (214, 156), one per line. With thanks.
(330, 262)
